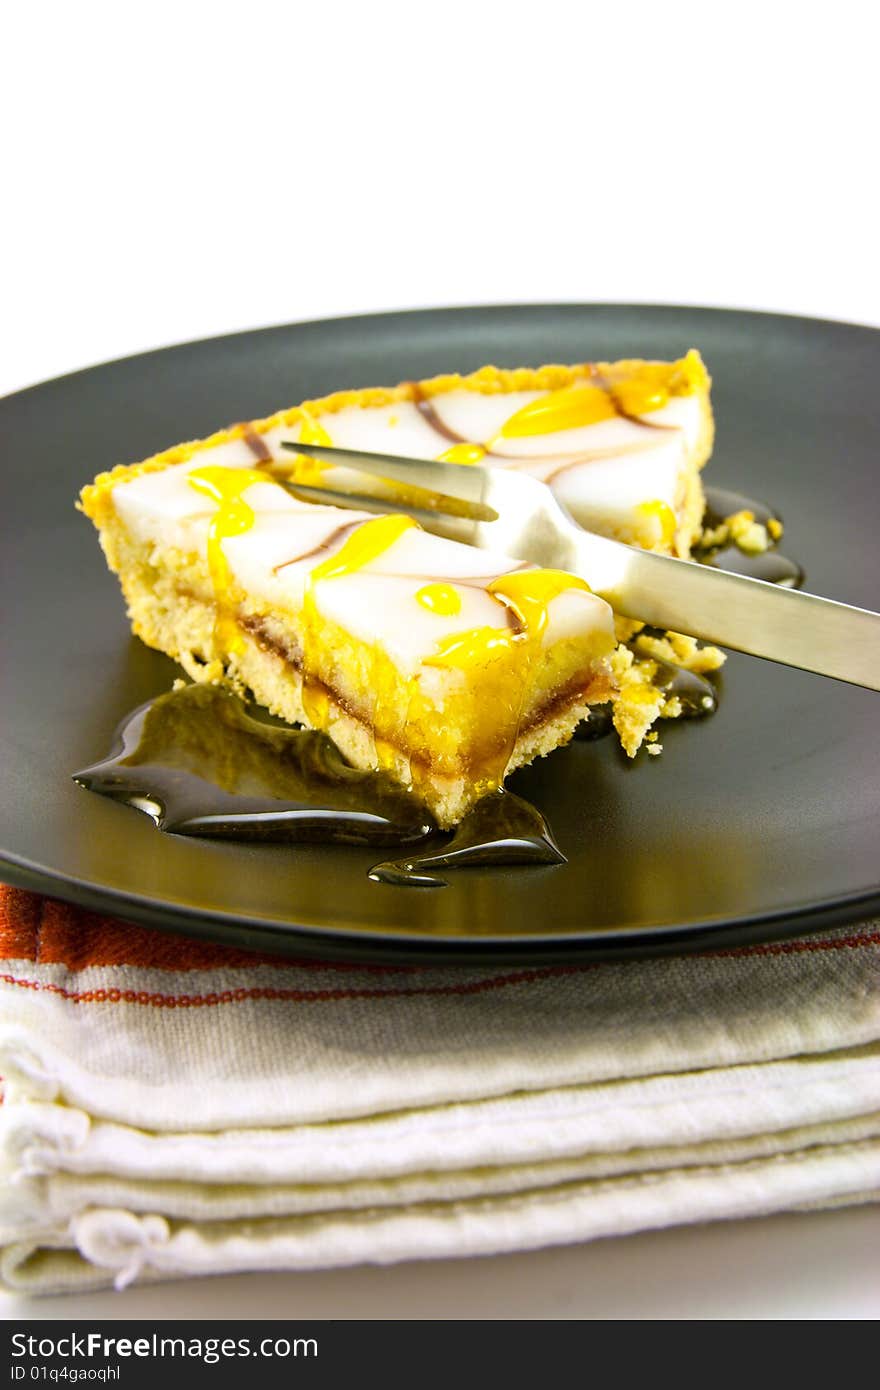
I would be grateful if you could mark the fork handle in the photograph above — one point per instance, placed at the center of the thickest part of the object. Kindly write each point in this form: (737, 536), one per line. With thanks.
(749, 615)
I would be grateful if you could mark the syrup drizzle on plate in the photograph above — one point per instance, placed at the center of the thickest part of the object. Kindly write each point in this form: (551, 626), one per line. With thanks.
(199, 763)
(501, 829)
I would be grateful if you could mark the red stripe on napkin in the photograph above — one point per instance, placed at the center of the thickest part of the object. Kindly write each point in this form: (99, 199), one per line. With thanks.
(51, 932)
(48, 931)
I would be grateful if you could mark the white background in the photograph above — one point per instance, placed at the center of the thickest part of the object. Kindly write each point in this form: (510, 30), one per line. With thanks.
(173, 171)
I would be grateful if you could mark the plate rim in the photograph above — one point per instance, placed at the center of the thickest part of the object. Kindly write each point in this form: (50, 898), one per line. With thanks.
(332, 942)
(512, 306)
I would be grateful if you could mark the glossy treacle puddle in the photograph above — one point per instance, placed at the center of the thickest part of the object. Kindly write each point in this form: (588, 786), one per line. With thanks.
(598, 723)
(199, 763)
(722, 503)
(696, 694)
(769, 565)
(501, 829)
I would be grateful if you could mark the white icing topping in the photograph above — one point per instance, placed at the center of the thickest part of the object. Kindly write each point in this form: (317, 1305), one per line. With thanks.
(271, 563)
(681, 411)
(604, 473)
(613, 488)
(629, 463)
(476, 416)
(372, 429)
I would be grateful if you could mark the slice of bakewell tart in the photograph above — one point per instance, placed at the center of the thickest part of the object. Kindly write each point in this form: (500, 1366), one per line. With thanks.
(445, 665)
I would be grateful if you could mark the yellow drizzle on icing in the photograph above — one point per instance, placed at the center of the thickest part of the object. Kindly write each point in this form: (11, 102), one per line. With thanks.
(528, 594)
(660, 512)
(233, 517)
(442, 599)
(639, 395)
(367, 543)
(476, 647)
(308, 470)
(363, 546)
(582, 404)
(463, 453)
(571, 408)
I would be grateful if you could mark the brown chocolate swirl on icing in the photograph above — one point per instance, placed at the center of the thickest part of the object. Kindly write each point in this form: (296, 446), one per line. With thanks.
(337, 537)
(426, 409)
(614, 400)
(257, 445)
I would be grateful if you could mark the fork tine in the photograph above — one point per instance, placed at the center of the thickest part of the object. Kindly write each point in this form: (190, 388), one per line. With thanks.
(466, 482)
(358, 501)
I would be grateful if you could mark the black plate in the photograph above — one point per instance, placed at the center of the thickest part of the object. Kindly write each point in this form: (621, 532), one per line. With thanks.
(755, 823)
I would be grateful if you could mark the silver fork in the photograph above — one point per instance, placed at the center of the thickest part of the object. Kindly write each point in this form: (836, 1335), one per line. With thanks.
(514, 514)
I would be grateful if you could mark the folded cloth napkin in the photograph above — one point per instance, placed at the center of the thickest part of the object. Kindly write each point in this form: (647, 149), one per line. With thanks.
(175, 1108)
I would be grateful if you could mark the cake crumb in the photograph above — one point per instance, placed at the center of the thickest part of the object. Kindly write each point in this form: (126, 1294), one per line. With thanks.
(713, 536)
(681, 651)
(747, 533)
(654, 749)
(751, 536)
(638, 702)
